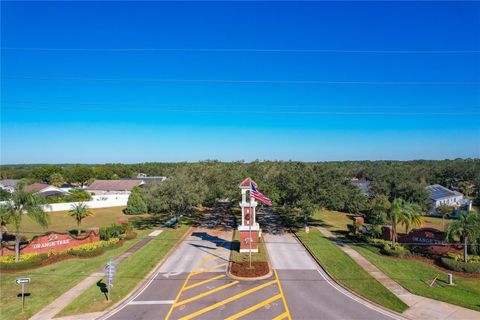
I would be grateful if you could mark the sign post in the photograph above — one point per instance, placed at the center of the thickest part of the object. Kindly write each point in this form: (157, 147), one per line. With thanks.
(23, 281)
(109, 273)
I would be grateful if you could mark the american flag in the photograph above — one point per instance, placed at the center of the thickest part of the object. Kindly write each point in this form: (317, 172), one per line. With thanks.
(255, 194)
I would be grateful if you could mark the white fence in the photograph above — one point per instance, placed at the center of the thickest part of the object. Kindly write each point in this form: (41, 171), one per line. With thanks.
(103, 201)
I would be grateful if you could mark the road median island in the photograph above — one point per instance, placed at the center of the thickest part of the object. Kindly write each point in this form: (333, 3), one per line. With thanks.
(129, 274)
(240, 267)
(347, 272)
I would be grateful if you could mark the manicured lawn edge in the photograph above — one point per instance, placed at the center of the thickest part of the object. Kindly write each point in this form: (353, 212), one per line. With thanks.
(382, 297)
(414, 276)
(84, 304)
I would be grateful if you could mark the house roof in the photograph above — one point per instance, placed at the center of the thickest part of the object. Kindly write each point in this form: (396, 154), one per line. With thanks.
(36, 187)
(9, 182)
(246, 183)
(438, 192)
(115, 185)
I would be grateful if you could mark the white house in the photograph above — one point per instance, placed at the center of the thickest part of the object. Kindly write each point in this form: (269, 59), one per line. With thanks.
(44, 189)
(441, 195)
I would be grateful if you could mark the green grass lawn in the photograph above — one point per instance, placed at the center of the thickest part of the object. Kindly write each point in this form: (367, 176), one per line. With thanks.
(345, 270)
(51, 281)
(413, 275)
(59, 221)
(236, 256)
(337, 221)
(129, 273)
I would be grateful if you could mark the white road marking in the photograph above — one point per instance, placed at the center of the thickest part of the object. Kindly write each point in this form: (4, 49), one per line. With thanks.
(155, 233)
(355, 298)
(153, 302)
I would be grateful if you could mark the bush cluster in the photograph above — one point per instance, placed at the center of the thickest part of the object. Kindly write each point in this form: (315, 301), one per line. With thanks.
(93, 249)
(460, 266)
(395, 251)
(27, 261)
(114, 231)
(459, 257)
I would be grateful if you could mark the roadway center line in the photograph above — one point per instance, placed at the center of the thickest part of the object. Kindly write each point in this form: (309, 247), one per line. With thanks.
(152, 302)
(283, 296)
(203, 282)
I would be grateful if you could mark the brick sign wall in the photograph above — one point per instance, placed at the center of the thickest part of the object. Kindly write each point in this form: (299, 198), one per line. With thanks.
(53, 241)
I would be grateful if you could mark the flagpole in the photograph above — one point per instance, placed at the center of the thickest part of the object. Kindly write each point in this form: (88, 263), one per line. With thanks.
(250, 230)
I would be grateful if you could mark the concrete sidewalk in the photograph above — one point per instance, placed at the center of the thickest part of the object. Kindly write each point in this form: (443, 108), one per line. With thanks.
(419, 307)
(65, 299)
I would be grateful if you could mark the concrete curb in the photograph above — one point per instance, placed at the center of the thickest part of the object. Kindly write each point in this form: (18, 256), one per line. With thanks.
(141, 285)
(268, 275)
(341, 285)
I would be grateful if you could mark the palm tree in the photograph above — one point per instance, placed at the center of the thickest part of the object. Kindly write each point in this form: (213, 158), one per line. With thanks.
(395, 216)
(5, 218)
(79, 212)
(467, 228)
(20, 204)
(412, 216)
(403, 212)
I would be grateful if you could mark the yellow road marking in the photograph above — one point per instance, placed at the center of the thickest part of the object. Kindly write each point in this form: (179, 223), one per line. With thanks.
(221, 303)
(255, 307)
(289, 317)
(201, 295)
(203, 282)
(209, 259)
(282, 316)
(208, 269)
(184, 284)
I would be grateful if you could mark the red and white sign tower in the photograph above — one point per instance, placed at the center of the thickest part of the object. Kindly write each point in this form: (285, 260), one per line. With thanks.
(249, 229)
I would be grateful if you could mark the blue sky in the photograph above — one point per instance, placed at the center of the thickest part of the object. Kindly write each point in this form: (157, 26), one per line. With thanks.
(338, 81)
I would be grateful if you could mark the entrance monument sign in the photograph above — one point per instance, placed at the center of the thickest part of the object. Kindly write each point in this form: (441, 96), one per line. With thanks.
(249, 229)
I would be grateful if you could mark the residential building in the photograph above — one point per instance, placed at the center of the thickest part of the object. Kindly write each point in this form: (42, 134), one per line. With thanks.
(44, 189)
(9, 184)
(125, 186)
(440, 195)
(363, 184)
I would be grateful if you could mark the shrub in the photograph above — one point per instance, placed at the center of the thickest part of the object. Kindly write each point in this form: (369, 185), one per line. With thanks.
(114, 231)
(459, 257)
(27, 261)
(135, 204)
(395, 251)
(460, 266)
(378, 242)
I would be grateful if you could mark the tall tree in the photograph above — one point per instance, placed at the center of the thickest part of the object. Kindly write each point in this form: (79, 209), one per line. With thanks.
(79, 174)
(79, 211)
(403, 212)
(43, 173)
(466, 228)
(21, 204)
(412, 216)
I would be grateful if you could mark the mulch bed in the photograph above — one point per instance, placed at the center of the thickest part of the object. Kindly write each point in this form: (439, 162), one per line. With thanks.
(241, 269)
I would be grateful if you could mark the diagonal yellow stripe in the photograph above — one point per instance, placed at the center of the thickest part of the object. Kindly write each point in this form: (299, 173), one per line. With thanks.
(208, 259)
(282, 316)
(255, 307)
(208, 269)
(201, 295)
(289, 317)
(203, 282)
(221, 303)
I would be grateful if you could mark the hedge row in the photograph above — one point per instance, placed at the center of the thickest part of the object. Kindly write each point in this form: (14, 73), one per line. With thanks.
(460, 266)
(33, 261)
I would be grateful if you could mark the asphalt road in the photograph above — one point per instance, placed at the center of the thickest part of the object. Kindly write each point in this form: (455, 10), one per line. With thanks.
(192, 284)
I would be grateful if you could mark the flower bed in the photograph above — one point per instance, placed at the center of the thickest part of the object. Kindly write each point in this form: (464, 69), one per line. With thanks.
(460, 266)
(32, 260)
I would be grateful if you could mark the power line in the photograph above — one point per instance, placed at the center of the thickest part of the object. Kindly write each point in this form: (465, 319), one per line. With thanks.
(252, 112)
(195, 105)
(244, 50)
(250, 81)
